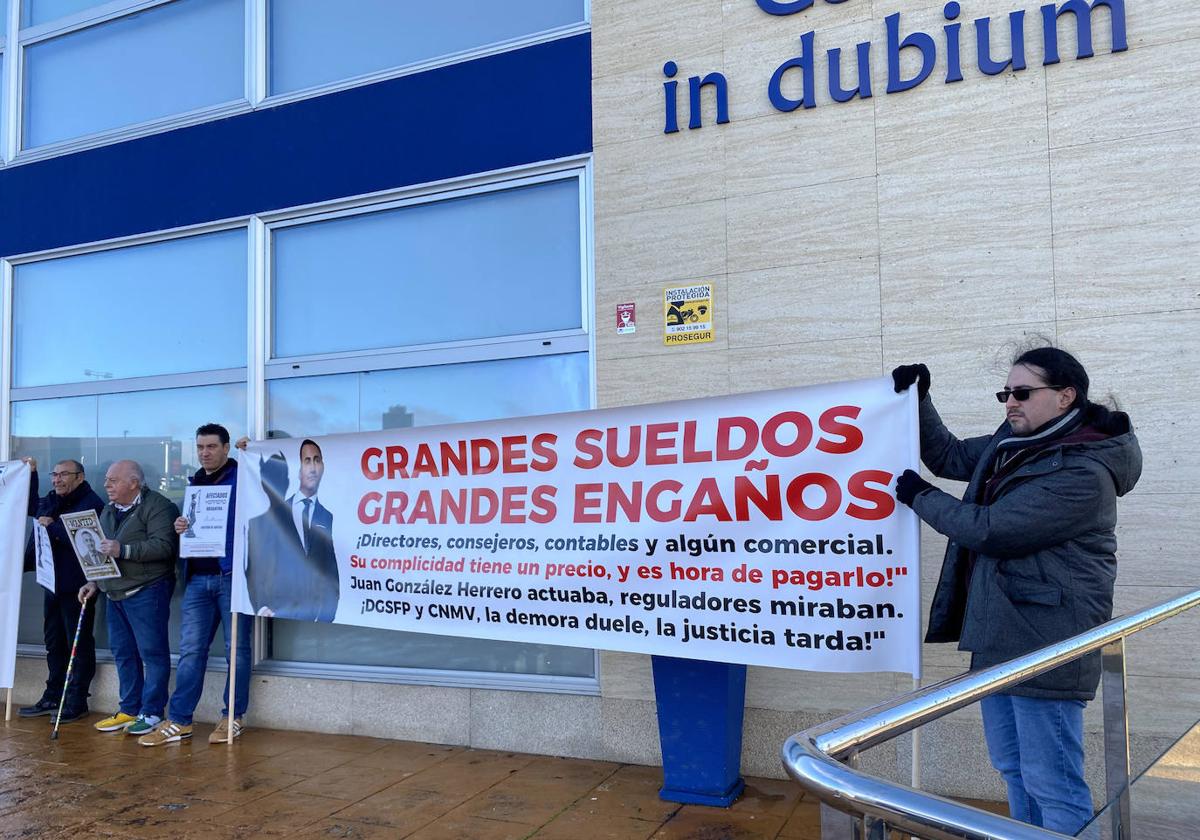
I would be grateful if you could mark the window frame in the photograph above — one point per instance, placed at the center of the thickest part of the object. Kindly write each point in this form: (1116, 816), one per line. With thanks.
(261, 368)
(442, 352)
(256, 60)
(98, 16)
(494, 48)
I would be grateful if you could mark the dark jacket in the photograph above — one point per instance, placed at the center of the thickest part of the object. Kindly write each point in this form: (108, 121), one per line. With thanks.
(224, 477)
(68, 576)
(1035, 562)
(284, 577)
(149, 544)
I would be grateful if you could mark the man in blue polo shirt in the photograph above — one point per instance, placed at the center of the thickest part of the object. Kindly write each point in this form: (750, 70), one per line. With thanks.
(206, 603)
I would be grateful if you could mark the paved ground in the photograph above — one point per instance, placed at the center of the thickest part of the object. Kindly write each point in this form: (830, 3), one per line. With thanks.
(88, 784)
(91, 785)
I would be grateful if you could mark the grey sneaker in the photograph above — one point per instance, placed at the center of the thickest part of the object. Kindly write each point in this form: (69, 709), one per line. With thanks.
(144, 725)
(220, 735)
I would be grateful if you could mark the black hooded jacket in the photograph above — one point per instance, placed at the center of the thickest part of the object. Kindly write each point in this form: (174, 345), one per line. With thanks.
(1031, 558)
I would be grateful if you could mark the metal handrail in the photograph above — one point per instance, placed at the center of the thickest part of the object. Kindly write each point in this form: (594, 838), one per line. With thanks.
(815, 757)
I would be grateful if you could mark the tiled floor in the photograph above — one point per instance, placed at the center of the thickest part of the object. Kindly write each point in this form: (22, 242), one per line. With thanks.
(91, 785)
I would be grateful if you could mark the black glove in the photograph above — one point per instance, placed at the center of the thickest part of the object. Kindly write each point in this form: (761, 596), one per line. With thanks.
(910, 485)
(904, 376)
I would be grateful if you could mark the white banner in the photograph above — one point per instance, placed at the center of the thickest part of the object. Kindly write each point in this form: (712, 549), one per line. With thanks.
(756, 528)
(14, 510)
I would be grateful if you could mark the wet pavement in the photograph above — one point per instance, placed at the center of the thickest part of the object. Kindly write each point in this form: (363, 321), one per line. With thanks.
(89, 784)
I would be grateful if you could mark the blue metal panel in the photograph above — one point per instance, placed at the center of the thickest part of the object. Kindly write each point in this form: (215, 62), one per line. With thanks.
(505, 110)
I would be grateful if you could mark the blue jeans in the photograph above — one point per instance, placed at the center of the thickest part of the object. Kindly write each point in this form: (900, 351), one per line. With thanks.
(205, 605)
(1037, 746)
(137, 634)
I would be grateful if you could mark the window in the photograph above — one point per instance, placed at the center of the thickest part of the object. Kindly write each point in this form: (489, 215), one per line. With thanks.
(499, 270)
(416, 397)
(436, 272)
(35, 12)
(167, 60)
(90, 326)
(475, 300)
(314, 42)
(169, 307)
(155, 428)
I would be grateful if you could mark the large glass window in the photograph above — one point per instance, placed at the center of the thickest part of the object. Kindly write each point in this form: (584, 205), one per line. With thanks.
(169, 307)
(487, 265)
(418, 397)
(155, 428)
(3, 97)
(34, 12)
(420, 313)
(87, 322)
(170, 59)
(313, 42)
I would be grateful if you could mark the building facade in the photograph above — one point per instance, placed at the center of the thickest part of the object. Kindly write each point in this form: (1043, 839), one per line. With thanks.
(302, 217)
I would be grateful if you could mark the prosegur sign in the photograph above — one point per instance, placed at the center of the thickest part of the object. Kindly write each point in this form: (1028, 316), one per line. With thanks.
(793, 83)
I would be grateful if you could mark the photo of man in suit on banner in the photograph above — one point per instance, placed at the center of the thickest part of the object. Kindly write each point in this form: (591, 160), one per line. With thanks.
(291, 569)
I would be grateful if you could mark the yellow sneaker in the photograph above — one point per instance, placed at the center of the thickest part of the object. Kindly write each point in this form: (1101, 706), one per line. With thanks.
(116, 723)
(220, 735)
(165, 733)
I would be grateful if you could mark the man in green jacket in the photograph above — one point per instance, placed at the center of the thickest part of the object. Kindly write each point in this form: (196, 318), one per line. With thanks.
(140, 528)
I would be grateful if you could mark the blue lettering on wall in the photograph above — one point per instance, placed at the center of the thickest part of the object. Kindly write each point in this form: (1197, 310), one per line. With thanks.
(897, 41)
(670, 106)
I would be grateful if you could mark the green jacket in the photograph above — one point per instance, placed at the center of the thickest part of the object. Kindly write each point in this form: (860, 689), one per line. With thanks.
(149, 544)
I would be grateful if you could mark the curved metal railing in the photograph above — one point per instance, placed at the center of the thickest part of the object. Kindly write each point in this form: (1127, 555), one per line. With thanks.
(824, 759)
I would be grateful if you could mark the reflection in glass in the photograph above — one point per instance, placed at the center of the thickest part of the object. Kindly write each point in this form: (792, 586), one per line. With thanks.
(34, 12)
(322, 405)
(427, 396)
(493, 264)
(342, 644)
(155, 428)
(167, 60)
(318, 41)
(132, 311)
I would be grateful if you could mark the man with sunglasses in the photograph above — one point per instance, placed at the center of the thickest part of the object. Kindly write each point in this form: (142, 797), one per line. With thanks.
(1031, 560)
(60, 615)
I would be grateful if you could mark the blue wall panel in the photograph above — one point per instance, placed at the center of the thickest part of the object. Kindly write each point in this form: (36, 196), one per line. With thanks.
(504, 110)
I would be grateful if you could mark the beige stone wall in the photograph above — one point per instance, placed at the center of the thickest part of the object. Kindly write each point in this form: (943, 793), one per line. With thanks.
(944, 225)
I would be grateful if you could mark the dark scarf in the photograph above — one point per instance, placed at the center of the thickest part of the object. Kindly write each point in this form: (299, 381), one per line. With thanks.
(1017, 450)
(204, 479)
(59, 504)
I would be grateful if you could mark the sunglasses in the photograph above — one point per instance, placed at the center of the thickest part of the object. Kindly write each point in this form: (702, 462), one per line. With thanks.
(1023, 393)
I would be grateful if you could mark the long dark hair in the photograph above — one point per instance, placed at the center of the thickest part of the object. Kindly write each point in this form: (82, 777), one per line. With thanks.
(1061, 369)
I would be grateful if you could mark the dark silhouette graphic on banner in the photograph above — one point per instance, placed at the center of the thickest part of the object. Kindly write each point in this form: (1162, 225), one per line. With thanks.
(291, 569)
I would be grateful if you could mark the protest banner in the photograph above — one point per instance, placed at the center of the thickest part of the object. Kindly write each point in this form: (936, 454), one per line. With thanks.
(14, 510)
(757, 528)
